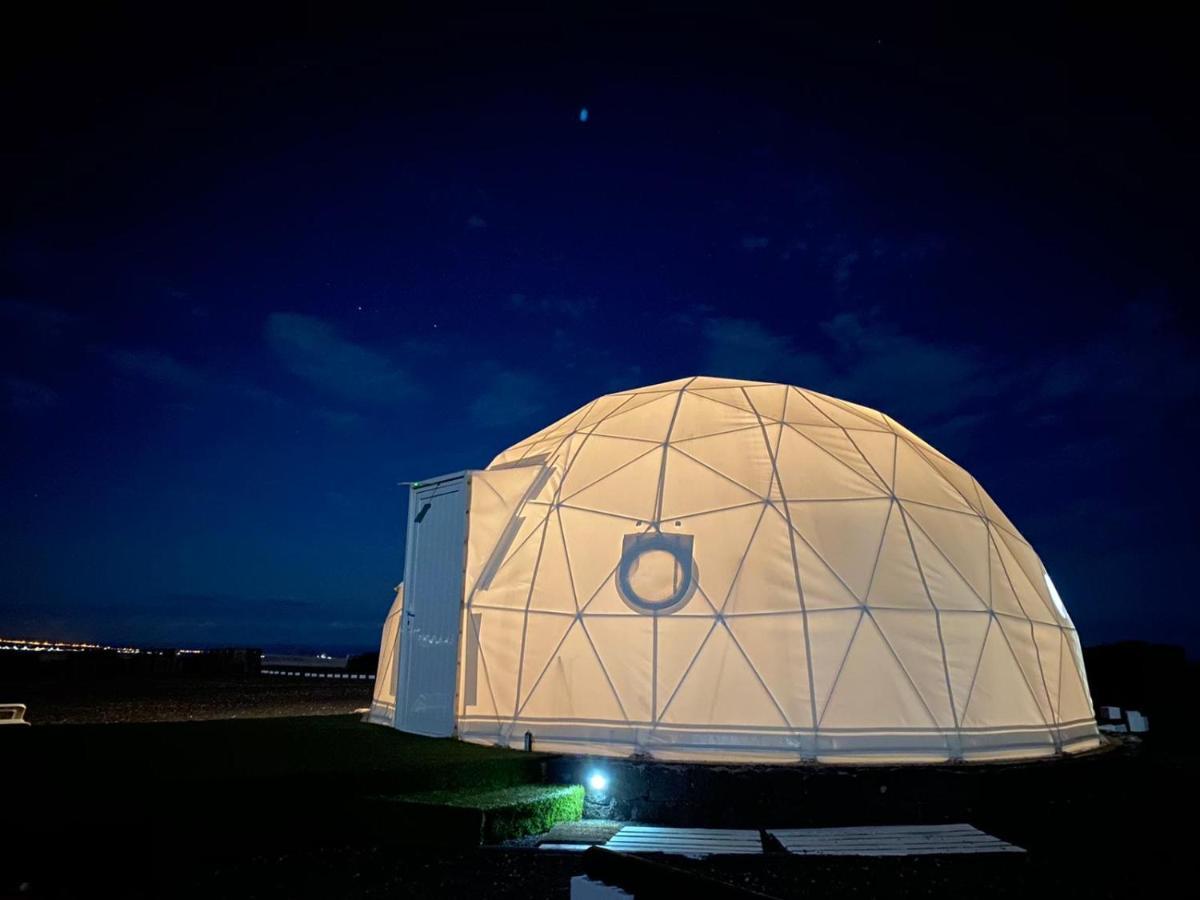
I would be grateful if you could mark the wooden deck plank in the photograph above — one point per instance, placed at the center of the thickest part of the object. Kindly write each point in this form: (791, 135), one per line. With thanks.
(890, 840)
(685, 841)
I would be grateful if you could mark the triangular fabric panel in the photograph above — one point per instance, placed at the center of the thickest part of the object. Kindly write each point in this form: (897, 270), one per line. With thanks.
(823, 586)
(690, 487)
(732, 397)
(626, 648)
(897, 578)
(510, 585)
(993, 512)
(1050, 649)
(1030, 570)
(830, 634)
(873, 687)
(706, 382)
(1074, 701)
(679, 641)
(541, 448)
(954, 474)
(604, 407)
(766, 579)
(775, 646)
(915, 639)
(699, 416)
(846, 534)
(543, 634)
(743, 452)
(495, 497)
(721, 540)
(628, 491)
(873, 418)
(1001, 598)
(1036, 603)
(847, 415)
(500, 636)
(599, 456)
(722, 687)
(961, 538)
(809, 471)
(963, 634)
(646, 421)
(800, 410)
(879, 450)
(593, 543)
(947, 587)
(1025, 651)
(999, 695)
(573, 684)
(480, 702)
(913, 439)
(769, 400)
(840, 445)
(553, 588)
(917, 480)
(557, 430)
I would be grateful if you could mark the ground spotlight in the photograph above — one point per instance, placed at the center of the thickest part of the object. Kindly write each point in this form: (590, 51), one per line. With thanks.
(598, 781)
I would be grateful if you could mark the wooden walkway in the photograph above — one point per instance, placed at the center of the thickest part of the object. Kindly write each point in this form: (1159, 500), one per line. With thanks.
(884, 840)
(890, 840)
(692, 842)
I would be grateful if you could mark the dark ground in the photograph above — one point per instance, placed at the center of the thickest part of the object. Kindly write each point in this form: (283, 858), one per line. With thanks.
(182, 698)
(286, 807)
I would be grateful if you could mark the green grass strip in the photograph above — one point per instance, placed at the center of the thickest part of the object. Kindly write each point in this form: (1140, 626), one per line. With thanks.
(511, 812)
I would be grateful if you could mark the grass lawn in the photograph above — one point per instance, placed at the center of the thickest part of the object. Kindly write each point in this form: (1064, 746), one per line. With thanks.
(314, 773)
(331, 807)
(317, 747)
(494, 815)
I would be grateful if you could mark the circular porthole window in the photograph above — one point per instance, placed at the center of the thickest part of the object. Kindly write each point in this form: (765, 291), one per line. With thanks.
(657, 572)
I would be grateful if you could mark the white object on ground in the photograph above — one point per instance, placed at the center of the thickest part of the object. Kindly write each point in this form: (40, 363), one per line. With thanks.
(1137, 722)
(693, 842)
(583, 888)
(12, 714)
(890, 840)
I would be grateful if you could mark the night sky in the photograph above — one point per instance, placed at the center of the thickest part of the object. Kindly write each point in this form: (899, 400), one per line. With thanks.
(259, 267)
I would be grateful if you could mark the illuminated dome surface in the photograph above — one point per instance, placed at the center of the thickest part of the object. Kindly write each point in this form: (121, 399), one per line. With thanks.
(738, 571)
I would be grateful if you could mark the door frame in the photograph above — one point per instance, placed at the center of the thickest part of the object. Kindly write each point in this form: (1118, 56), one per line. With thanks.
(404, 632)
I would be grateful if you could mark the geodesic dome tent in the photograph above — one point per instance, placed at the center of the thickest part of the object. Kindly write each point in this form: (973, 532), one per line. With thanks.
(726, 570)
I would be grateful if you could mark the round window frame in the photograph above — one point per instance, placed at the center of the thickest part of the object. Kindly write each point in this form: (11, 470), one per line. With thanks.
(637, 546)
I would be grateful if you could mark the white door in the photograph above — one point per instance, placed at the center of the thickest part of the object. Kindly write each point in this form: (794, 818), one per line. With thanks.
(433, 593)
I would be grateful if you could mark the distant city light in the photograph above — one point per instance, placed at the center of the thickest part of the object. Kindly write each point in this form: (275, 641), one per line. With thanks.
(598, 781)
(36, 646)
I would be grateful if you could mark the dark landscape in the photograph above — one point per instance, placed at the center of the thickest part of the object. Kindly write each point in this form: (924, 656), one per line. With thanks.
(806, 391)
(291, 801)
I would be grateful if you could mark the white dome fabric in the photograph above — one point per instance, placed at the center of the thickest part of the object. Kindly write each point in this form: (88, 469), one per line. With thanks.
(740, 571)
(383, 695)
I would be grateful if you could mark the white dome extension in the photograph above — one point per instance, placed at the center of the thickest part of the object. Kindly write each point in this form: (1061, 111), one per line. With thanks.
(738, 571)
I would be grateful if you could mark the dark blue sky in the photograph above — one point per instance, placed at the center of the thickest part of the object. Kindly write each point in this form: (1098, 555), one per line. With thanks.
(258, 269)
